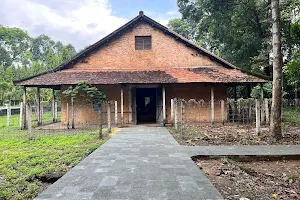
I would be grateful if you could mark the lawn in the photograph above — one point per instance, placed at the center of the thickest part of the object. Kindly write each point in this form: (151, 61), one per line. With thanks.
(291, 115)
(15, 119)
(26, 166)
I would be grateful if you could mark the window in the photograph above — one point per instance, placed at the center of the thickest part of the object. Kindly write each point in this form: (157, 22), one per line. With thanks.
(143, 43)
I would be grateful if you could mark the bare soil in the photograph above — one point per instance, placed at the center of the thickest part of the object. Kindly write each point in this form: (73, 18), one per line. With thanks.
(253, 180)
(205, 135)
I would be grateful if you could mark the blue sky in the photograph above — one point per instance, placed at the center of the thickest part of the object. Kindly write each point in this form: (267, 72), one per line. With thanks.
(80, 22)
(130, 8)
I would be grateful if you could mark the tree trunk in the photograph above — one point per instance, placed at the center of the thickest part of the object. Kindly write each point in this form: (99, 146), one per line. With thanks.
(276, 109)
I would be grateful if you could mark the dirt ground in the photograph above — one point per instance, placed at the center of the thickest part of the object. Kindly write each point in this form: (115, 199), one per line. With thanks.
(253, 180)
(205, 135)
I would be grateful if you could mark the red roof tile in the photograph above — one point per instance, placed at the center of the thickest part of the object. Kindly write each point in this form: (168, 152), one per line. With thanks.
(166, 75)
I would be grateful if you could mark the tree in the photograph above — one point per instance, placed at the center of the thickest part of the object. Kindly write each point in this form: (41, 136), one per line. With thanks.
(14, 43)
(92, 96)
(41, 46)
(276, 108)
(181, 27)
(238, 30)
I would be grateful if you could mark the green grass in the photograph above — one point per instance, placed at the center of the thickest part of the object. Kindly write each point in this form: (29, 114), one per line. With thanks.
(24, 163)
(291, 115)
(14, 119)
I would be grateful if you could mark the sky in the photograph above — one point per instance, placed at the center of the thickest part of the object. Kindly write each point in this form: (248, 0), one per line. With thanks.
(80, 22)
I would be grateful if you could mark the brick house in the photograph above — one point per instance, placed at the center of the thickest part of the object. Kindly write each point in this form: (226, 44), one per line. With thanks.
(143, 65)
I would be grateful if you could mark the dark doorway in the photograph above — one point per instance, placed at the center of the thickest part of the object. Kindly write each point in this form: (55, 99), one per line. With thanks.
(146, 105)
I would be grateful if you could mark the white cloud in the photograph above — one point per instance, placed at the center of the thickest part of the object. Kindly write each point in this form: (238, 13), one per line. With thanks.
(80, 23)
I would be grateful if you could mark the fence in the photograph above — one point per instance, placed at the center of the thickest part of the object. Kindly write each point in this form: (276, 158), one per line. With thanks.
(243, 111)
(10, 116)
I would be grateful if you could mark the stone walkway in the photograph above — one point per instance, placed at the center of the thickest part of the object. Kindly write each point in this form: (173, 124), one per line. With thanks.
(137, 163)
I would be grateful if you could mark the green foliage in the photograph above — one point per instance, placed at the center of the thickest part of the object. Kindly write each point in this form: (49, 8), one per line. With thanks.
(181, 27)
(239, 31)
(95, 96)
(22, 56)
(24, 163)
(267, 89)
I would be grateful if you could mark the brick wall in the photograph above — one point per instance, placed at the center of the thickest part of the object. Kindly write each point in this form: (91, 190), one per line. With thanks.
(166, 52)
(84, 113)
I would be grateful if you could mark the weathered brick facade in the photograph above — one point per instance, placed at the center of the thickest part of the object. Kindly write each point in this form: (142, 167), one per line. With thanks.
(166, 52)
(120, 54)
(174, 63)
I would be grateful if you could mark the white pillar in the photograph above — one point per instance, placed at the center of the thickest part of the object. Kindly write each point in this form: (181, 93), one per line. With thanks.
(130, 105)
(164, 104)
(257, 108)
(8, 112)
(262, 110)
(53, 106)
(29, 120)
(68, 120)
(172, 110)
(116, 113)
(40, 117)
(223, 111)
(212, 99)
(55, 111)
(24, 107)
(176, 114)
(267, 111)
(108, 117)
(21, 115)
(122, 106)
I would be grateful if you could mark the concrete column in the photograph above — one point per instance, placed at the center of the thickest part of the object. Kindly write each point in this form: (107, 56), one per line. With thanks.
(40, 117)
(164, 104)
(24, 108)
(212, 99)
(21, 115)
(122, 106)
(53, 106)
(223, 111)
(257, 109)
(130, 104)
(116, 113)
(172, 110)
(263, 116)
(8, 112)
(108, 117)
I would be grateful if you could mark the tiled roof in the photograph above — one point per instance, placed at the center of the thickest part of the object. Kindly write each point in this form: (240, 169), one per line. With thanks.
(165, 75)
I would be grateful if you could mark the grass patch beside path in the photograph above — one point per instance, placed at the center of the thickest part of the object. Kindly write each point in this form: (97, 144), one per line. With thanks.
(26, 165)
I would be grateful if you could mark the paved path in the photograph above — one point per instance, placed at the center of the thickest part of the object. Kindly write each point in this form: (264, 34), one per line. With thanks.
(260, 150)
(137, 163)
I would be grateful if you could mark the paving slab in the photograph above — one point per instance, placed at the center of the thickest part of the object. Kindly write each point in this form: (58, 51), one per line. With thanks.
(137, 163)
